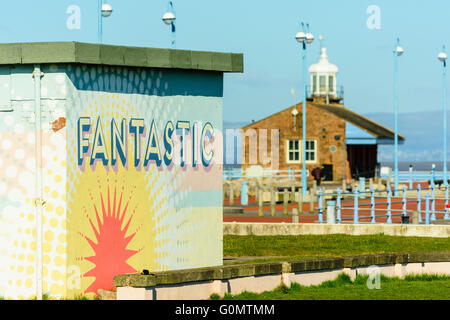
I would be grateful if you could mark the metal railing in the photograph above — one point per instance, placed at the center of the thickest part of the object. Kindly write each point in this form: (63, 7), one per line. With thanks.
(336, 207)
(357, 206)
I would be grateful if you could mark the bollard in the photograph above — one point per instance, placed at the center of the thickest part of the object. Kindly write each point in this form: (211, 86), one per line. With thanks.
(231, 194)
(379, 184)
(338, 206)
(300, 201)
(372, 205)
(362, 187)
(415, 217)
(311, 200)
(272, 201)
(389, 196)
(320, 206)
(260, 202)
(293, 200)
(286, 201)
(294, 215)
(244, 193)
(330, 212)
(314, 187)
(404, 201)
(355, 205)
(427, 209)
(433, 202)
(419, 203)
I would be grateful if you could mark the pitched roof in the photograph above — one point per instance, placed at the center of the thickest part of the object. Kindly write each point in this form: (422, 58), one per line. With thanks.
(360, 121)
(354, 118)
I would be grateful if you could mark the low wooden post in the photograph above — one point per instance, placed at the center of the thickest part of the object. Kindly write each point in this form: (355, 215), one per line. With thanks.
(294, 215)
(231, 194)
(293, 192)
(300, 201)
(311, 200)
(260, 201)
(286, 201)
(415, 217)
(272, 200)
(315, 187)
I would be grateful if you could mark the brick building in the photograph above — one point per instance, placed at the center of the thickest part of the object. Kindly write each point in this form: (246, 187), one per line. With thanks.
(339, 140)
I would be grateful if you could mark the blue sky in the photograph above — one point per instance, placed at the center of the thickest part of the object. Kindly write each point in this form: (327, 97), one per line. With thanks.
(264, 31)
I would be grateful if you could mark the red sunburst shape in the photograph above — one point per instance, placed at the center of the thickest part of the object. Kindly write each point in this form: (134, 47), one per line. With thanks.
(110, 245)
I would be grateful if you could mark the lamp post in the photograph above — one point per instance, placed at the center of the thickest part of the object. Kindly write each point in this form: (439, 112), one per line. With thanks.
(398, 51)
(104, 11)
(169, 19)
(304, 37)
(443, 58)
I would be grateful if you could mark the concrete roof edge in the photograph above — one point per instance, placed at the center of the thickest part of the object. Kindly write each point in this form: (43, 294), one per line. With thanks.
(103, 54)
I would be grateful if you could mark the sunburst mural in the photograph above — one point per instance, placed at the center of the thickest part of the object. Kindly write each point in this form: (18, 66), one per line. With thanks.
(110, 243)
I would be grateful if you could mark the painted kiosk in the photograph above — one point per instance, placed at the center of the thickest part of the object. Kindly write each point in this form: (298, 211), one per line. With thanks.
(107, 164)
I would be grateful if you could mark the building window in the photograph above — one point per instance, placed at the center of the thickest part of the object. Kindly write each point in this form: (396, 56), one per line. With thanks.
(311, 151)
(293, 151)
(330, 84)
(322, 83)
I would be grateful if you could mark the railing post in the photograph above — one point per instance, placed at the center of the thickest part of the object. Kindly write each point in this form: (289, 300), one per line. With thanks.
(330, 212)
(355, 205)
(404, 201)
(446, 217)
(389, 196)
(338, 206)
(244, 193)
(427, 209)
(372, 204)
(419, 202)
(433, 202)
(320, 206)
